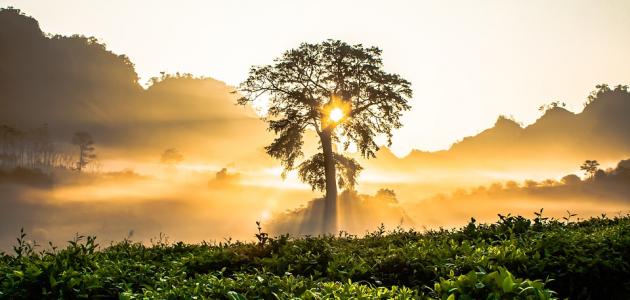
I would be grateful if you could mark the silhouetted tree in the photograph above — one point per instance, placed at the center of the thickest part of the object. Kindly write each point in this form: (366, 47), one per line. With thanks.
(86, 148)
(552, 105)
(571, 179)
(601, 174)
(10, 140)
(171, 157)
(511, 185)
(495, 187)
(30, 149)
(335, 89)
(600, 90)
(388, 195)
(624, 164)
(590, 167)
(530, 184)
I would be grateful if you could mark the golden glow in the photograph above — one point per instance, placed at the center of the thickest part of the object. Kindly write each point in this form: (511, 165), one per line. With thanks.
(336, 114)
(495, 70)
(489, 63)
(265, 215)
(336, 111)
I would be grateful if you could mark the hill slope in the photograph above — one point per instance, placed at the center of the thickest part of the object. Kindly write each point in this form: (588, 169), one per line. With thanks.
(558, 140)
(75, 83)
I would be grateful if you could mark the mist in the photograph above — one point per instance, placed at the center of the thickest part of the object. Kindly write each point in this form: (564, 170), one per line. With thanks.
(53, 86)
(185, 205)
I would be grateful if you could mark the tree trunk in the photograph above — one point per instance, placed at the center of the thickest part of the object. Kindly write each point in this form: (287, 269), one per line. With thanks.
(80, 166)
(330, 202)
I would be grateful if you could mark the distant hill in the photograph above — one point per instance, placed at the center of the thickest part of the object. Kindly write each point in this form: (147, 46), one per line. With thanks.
(558, 139)
(608, 191)
(52, 78)
(74, 83)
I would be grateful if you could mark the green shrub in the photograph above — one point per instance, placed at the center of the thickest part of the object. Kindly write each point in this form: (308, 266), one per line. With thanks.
(513, 258)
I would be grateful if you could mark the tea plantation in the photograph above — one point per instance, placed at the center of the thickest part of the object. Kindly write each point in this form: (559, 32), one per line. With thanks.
(514, 258)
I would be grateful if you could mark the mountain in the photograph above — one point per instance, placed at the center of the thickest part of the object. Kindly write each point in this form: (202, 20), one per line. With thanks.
(75, 83)
(559, 139)
(608, 191)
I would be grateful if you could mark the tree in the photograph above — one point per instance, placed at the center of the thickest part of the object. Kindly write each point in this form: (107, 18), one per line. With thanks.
(552, 105)
(590, 167)
(571, 179)
(337, 90)
(86, 148)
(171, 156)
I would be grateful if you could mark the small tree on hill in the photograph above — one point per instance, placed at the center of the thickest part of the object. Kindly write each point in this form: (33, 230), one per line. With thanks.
(86, 148)
(590, 168)
(171, 157)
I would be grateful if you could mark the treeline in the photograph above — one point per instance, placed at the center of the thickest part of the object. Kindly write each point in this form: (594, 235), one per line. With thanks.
(598, 181)
(34, 149)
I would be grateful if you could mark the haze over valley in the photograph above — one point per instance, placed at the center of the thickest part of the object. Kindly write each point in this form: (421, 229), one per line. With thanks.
(179, 156)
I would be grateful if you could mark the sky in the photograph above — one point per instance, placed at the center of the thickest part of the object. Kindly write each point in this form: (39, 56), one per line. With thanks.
(468, 61)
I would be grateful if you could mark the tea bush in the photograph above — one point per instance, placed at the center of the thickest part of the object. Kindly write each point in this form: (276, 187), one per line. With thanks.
(514, 258)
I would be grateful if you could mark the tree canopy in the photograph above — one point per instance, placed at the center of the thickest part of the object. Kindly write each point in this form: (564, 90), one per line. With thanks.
(305, 84)
(338, 90)
(86, 148)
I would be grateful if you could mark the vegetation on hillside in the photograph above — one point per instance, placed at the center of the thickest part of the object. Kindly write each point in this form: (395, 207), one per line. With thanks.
(515, 257)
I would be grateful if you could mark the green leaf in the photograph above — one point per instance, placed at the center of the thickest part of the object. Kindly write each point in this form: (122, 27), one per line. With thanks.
(508, 284)
(236, 296)
(52, 280)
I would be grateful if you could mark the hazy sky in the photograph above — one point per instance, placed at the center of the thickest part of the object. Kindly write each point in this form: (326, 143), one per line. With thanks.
(468, 61)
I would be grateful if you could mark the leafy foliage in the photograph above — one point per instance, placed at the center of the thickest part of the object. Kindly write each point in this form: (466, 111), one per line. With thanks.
(86, 148)
(171, 156)
(590, 167)
(310, 172)
(499, 284)
(514, 258)
(305, 83)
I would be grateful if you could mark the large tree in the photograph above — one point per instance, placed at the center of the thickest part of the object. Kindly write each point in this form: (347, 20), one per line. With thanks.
(342, 93)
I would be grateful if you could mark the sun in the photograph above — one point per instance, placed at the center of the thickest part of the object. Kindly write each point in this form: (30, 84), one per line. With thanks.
(336, 111)
(265, 215)
(336, 114)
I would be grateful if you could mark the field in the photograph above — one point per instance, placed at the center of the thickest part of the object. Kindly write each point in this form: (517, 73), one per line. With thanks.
(515, 257)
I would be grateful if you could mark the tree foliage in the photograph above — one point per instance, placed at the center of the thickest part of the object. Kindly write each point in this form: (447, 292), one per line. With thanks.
(590, 167)
(305, 83)
(86, 148)
(603, 89)
(171, 156)
(310, 171)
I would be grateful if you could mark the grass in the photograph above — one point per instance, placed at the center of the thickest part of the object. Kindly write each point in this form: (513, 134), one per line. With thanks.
(515, 257)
